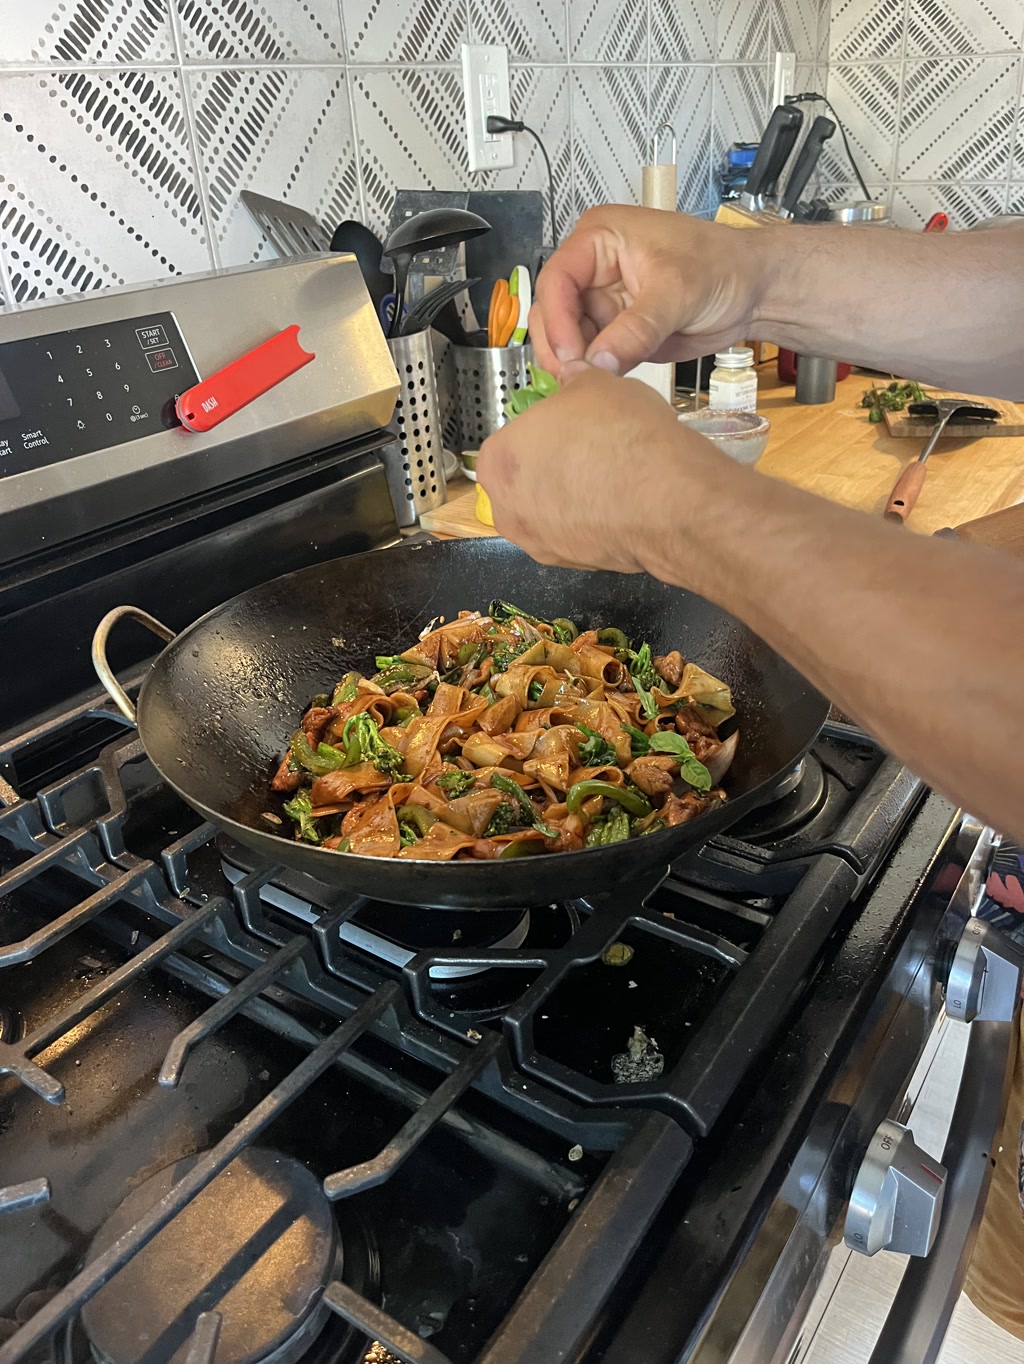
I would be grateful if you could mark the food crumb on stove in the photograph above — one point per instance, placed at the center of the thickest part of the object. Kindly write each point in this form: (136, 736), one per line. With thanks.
(641, 1061)
(521, 1259)
(473, 1035)
(338, 641)
(457, 935)
(573, 1205)
(134, 937)
(264, 1074)
(632, 984)
(576, 1153)
(617, 954)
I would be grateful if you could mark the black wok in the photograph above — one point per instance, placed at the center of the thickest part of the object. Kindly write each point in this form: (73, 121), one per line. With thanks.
(218, 705)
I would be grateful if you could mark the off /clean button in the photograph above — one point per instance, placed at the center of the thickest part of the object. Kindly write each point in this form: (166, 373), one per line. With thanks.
(160, 360)
(151, 336)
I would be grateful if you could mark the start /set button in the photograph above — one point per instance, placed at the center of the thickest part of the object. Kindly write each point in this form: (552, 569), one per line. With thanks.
(151, 336)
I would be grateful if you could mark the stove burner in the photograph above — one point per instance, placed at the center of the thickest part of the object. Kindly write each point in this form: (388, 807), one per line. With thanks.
(395, 933)
(796, 798)
(258, 1245)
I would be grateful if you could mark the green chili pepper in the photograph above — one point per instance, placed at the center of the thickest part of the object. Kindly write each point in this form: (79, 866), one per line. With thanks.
(522, 847)
(613, 636)
(319, 761)
(635, 802)
(347, 689)
(416, 815)
(512, 788)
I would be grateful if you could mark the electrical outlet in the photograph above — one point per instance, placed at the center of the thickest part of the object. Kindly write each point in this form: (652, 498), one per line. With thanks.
(485, 82)
(785, 77)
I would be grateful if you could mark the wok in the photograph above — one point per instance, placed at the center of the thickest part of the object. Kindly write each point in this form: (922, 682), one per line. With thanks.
(218, 705)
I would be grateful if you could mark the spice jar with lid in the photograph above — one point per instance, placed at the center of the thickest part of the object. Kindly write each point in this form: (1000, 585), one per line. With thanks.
(732, 386)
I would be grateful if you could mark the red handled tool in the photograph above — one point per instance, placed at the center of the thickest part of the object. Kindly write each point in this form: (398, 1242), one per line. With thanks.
(938, 222)
(233, 387)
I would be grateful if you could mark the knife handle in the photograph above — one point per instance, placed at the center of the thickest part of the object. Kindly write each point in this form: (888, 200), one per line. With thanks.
(821, 130)
(907, 489)
(211, 401)
(776, 145)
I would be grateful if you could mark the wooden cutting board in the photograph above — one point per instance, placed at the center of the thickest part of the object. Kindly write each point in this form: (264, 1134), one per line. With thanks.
(1010, 421)
(457, 516)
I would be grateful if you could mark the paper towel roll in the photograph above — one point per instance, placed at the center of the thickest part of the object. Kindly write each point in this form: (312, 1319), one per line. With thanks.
(659, 186)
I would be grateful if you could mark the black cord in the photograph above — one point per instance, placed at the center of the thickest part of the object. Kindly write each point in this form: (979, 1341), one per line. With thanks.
(497, 124)
(809, 98)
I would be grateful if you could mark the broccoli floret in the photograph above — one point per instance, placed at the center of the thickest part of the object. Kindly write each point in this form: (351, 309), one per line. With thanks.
(505, 817)
(597, 751)
(363, 743)
(455, 782)
(300, 809)
(610, 828)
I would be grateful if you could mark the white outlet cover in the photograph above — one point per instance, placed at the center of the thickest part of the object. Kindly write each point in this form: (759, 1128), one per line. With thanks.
(485, 82)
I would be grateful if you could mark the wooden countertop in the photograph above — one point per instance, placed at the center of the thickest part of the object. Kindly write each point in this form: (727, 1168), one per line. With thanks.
(834, 451)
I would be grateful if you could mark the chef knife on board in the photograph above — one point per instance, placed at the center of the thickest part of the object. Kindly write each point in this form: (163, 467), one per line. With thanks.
(821, 130)
(776, 145)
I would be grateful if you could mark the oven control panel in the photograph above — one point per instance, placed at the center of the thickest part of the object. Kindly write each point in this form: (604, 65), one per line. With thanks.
(73, 392)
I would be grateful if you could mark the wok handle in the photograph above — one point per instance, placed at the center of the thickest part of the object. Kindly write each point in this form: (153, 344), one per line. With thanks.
(907, 489)
(104, 672)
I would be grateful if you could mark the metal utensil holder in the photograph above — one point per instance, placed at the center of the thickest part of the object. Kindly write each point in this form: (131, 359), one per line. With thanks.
(484, 378)
(414, 462)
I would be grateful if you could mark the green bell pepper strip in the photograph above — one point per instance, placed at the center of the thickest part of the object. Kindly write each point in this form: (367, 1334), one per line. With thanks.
(319, 760)
(417, 816)
(634, 802)
(512, 788)
(522, 847)
(347, 689)
(613, 636)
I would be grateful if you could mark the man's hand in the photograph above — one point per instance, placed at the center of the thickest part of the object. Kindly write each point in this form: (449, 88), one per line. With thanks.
(581, 479)
(633, 284)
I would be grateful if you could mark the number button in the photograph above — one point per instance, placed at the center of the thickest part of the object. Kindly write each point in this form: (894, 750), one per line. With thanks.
(99, 395)
(80, 424)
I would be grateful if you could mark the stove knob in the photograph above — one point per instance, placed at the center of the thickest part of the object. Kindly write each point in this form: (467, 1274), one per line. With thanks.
(985, 978)
(897, 1196)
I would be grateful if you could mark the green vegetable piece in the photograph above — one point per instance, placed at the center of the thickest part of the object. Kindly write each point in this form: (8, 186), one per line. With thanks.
(644, 675)
(467, 652)
(617, 954)
(522, 847)
(512, 788)
(535, 690)
(541, 381)
(416, 816)
(597, 751)
(617, 638)
(300, 809)
(875, 415)
(319, 761)
(407, 835)
(505, 817)
(631, 800)
(610, 828)
(455, 782)
(565, 630)
(639, 742)
(363, 743)
(690, 768)
(387, 661)
(347, 689)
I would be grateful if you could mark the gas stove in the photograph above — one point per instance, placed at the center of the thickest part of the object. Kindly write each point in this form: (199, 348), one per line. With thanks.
(246, 1117)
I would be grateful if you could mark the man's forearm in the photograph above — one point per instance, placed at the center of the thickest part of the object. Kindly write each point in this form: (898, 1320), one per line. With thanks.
(946, 308)
(921, 640)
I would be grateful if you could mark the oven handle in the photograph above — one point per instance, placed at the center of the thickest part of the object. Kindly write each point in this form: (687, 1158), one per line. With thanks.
(104, 671)
(914, 1330)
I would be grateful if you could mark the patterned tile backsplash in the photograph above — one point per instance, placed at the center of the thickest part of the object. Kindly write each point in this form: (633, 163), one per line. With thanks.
(930, 93)
(128, 128)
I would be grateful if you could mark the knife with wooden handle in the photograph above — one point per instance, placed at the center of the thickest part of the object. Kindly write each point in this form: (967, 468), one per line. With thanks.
(1002, 530)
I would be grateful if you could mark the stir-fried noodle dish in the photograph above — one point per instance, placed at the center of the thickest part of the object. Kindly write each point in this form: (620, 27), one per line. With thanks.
(500, 734)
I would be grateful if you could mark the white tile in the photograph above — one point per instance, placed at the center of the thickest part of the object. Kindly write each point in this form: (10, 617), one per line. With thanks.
(966, 205)
(741, 107)
(130, 32)
(531, 30)
(540, 97)
(944, 28)
(281, 132)
(867, 100)
(608, 30)
(97, 181)
(682, 32)
(866, 30)
(742, 30)
(609, 112)
(794, 28)
(279, 32)
(958, 118)
(681, 95)
(411, 135)
(405, 30)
